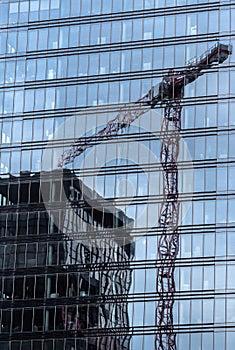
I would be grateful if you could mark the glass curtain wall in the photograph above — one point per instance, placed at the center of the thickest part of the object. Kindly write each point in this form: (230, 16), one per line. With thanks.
(79, 247)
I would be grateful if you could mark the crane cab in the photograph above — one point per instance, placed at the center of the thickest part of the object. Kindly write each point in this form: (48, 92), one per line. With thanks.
(158, 93)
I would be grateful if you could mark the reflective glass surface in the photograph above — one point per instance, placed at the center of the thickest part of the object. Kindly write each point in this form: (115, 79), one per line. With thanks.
(82, 186)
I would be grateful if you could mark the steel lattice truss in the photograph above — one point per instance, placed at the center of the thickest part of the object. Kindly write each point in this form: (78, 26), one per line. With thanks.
(169, 241)
(127, 115)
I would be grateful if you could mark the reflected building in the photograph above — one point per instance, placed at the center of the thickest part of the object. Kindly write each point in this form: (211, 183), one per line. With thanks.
(63, 284)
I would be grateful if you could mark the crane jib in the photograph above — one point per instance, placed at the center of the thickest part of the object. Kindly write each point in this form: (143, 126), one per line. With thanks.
(171, 87)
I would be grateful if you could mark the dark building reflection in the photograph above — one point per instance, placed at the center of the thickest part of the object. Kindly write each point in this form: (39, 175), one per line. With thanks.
(65, 266)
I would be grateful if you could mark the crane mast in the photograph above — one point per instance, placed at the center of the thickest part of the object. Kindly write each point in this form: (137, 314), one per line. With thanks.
(168, 94)
(168, 245)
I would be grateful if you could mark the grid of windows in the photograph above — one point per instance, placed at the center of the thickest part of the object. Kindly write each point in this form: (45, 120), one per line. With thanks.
(121, 31)
(13, 12)
(57, 287)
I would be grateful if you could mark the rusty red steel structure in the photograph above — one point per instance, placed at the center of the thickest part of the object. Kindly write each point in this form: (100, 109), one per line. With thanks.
(168, 221)
(168, 94)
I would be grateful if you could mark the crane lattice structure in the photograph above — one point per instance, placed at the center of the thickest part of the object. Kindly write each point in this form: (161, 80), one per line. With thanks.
(168, 94)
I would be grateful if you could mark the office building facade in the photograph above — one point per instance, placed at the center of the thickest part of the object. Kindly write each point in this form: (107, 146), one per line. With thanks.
(80, 248)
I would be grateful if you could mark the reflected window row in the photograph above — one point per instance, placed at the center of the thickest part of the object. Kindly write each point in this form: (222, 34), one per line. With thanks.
(71, 96)
(28, 160)
(211, 84)
(48, 344)
(41, 286)
(186, 312)
(201, 278)
(98, 282)
(43, 129)
(31, 320)
(208, 244)
(220, 340)
(14, 256)
(50, 319)
(30, 11)
(220, 211)
(202, 148)
(203, 212)
(220, 179)
(63, 97)
(209, 115)
(220, 146)
(208, 311)
(132, 60)
(198, 212)
(113, 282)
(30, 130)
(56, 344)
(21, 224)
(107, 32)
(217, 277)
